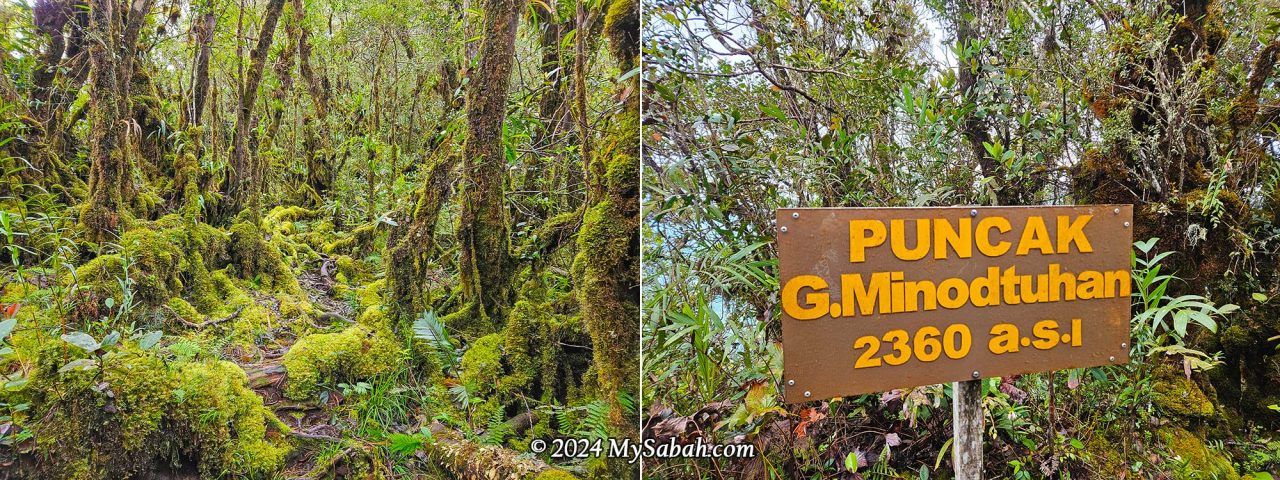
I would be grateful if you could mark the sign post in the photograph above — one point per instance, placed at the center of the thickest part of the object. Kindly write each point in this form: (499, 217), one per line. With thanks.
(966, 428)
(875, 299)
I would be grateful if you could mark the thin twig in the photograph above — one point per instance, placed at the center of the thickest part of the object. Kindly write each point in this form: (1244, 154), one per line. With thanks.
(207, 322)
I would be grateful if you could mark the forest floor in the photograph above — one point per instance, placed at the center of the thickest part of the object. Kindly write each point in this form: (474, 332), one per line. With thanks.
(286, 307)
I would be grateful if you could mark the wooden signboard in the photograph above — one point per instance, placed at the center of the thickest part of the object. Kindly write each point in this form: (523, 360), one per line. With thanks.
(875, 299)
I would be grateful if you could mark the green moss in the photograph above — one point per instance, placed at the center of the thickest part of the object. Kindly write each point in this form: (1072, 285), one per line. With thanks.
(375, 317)
(98, 277)
(1235, 338)
(228, 428)
(467, 321)
(482, 364)
(148, 258)
(137, 413)
(1174, 394)
(533, 343)
(370, 294)
(359, 241)
(555, 474)
(184, 309)
(622, 25)
(258, 259)
(1201, 461)
(154, 267)
(323, 359)
(296, 306)
(284, 214)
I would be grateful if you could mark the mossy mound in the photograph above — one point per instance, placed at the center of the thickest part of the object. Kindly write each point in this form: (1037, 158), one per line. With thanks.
(259, 260)
(242, 437)
(482, 364)
(135, 413)
(149, 262)
(1202, 462)
(327, 358)
(1175, 394)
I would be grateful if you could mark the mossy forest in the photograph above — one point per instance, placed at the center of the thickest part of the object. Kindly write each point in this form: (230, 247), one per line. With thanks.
(1170, 106)
(317, 238)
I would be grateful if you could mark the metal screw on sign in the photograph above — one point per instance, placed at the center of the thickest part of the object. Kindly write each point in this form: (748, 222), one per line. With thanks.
(784, 229)
(795, 215)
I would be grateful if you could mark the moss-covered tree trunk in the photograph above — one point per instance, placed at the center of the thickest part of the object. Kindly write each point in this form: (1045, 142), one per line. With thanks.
(410, 252)
(247, 173)
(1187, 178)
(607, 266)
(114, 29)
(483, 233)
(203, 33)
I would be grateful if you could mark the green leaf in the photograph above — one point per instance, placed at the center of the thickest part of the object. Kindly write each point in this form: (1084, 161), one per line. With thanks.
(6, 327)
(1259, 297)
(149, 341)
(404, 444)
(111, 339)
(774, 112)
(81, 364)
(82, 340)
(851, 462)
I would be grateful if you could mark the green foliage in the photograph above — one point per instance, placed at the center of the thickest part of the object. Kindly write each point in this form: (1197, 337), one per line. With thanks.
(1161, 323)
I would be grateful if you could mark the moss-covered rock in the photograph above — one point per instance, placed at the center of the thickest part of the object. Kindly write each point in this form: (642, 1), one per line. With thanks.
(221, 422)
(482, 364)
(1175, 394)
(134, 413)
(356, 353)
(1202, 462)
(258, 259)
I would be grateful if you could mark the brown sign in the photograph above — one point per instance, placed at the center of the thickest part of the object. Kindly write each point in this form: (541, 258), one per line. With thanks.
(875, 299)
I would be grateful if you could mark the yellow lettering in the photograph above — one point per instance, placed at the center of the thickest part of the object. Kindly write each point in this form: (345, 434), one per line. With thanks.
(1004, 339)
(1035, 235)
(867, 296)
(987, 284)
(985, 246)
(1061, 282)
(816, 302)
(1073, 232)
(959, 239)
(1046, 332)
(898, 240)
(1117, 280)
(864, 234)
(1089, 286)
(950, 300)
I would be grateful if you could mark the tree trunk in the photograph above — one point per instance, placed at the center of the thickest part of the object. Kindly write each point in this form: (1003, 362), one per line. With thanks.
(483, 233)
(111, 58)
(607, 266)
(246, 178)
(203, 32)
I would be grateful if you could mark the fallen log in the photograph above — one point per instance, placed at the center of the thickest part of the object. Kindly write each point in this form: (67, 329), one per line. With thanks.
(468, 460)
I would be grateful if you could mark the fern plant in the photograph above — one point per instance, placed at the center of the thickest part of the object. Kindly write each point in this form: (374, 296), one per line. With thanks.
(428, 328)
